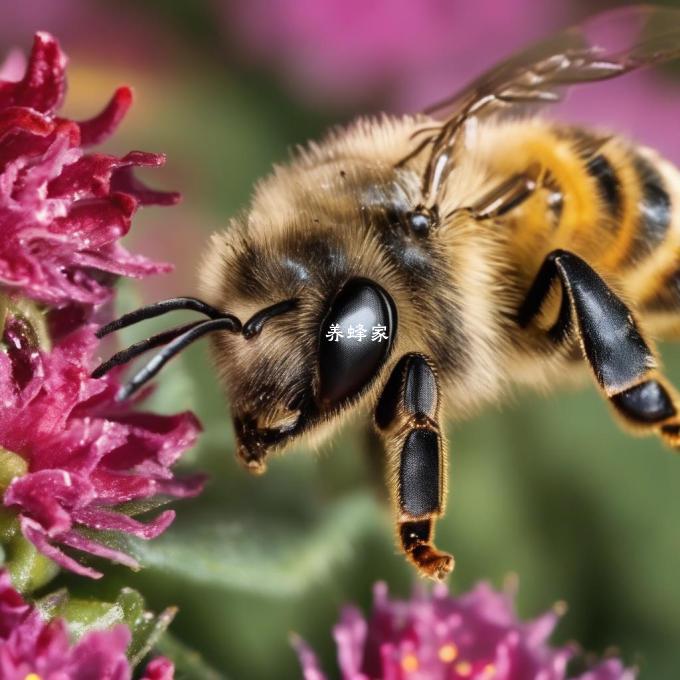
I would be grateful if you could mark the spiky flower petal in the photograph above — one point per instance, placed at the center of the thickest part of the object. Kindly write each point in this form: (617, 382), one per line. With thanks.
(63, 210)
(85, 455)
(476, 636)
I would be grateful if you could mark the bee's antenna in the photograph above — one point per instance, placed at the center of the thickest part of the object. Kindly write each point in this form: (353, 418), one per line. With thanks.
(138, 348)
(224, 323)
(157, 309)
(253, 326)
(177, 339)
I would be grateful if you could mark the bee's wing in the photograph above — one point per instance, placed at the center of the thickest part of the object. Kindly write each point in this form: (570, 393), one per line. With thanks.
(606, 46)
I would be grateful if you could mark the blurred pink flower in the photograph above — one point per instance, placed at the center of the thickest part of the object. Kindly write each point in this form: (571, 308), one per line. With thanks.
(33, 648)
(398, 51)
(406, 55)
(62, 211)
(476, 636)
(159, 669)
(85, 454)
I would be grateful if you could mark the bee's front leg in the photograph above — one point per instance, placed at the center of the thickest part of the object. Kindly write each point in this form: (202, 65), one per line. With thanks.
(407, 418)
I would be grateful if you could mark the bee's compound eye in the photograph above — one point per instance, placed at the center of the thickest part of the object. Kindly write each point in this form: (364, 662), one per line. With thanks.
(355, 339)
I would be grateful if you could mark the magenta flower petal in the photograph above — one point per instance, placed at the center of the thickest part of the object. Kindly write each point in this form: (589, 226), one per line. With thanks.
(30, 647)
(311, 670)
(16, 118)
(101, 654)
(476, 636)
(43, 86)
(33, 532)
(13, 609)
(86, 455)
(159, 669)
(103, 520)
(62, 211)
(350, 637)
(80, 542)
(97, 129)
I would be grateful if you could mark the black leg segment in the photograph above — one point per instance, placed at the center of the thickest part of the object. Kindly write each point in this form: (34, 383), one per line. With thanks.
(648, 402)
(419, 473)
(623, 362)
(407, 418)
(610, 337)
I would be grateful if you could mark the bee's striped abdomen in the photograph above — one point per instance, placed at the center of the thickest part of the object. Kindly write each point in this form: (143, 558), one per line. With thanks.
(609, 184)
(654, 258)
(654, 209)
(619, 214)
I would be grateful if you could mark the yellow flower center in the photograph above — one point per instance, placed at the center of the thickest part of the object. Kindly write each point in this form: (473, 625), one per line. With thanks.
(32, 676)
(463, 668)
(448, 653)
(410, 663)
(489, 671)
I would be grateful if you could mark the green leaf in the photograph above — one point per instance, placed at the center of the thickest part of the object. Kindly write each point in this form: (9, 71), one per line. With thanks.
(29, 569)
(86, 614)
(279, 558)
(146, 629)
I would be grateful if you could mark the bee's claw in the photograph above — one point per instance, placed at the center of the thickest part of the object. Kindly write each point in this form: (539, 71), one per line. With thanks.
(432, 563)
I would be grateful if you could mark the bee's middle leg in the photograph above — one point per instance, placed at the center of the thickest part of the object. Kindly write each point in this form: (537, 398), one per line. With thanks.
(622, 360)
(407, 418)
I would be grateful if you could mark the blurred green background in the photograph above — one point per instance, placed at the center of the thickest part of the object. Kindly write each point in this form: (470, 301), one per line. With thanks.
(546, 488)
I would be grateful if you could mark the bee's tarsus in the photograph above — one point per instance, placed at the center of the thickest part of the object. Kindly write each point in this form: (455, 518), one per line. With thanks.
(416, 542)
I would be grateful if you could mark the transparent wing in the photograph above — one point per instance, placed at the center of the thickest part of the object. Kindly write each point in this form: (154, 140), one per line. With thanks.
(605, 46)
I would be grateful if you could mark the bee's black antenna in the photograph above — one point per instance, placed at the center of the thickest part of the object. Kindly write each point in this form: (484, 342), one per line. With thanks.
(140, 347)
(253, 326)
(224, 323)
(177, 339)
(159, 308)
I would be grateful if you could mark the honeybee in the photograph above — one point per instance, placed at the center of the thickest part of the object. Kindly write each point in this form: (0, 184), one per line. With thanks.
(419, 266)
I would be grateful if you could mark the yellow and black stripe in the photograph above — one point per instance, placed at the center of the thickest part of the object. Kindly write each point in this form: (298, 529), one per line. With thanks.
(606, 200)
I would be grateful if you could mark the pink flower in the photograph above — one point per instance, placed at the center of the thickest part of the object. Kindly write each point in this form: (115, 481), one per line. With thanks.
(85, 454)
(476, 636)
(159, 669)
(410, 53)
(63, 211)
(33, 648)
(407, 55)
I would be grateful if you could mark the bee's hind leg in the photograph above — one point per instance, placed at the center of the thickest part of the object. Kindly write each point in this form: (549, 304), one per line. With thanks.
(407, 418)
(622, 360)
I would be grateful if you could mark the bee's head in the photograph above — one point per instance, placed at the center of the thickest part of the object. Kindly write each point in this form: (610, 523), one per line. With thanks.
(294, 365)
(304, 367)
(300, 295)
